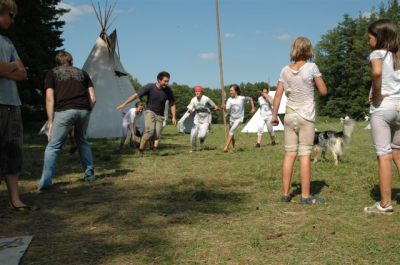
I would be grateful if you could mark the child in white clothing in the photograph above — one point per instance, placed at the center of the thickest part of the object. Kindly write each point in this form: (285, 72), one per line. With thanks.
(265, 102)
(235, 107)
(299, 80)
(200, 105)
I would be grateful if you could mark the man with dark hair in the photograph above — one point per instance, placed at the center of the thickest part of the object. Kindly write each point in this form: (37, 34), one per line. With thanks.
(11, 132)
(157, 95)
(70, 97)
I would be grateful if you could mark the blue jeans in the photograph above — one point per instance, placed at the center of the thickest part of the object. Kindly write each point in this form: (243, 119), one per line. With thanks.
(63, 122)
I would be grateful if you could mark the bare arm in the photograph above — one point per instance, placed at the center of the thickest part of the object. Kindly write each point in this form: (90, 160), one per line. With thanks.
(129, 100)
(7, 68)
(132, 127)
(19, 73)
(173, 112)
(92, 97)
(277, 103)
(50, 109)
(253, 109)
(320, 84)
(376, 94)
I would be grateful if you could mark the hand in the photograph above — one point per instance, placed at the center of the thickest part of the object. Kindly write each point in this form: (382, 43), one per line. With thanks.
(120, 107)
(174, 121)
(223, 107)
(274, 121)
(252, 110)
(50, 130)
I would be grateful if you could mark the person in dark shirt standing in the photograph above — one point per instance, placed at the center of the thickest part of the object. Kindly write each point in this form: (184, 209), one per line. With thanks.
(157, 95)
(70, 97)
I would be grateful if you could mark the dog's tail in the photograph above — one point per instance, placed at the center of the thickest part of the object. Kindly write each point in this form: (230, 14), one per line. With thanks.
(348, 128)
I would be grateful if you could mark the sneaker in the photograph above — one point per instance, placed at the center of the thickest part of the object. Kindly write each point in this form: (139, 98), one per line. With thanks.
(90, 178)
(258, 145)
(286, 198)
(312, 199)
(377, 208)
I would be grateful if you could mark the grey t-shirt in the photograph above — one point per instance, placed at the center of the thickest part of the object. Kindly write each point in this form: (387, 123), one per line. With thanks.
(8, 88)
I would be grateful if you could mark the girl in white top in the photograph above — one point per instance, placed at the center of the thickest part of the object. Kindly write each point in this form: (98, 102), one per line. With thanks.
(299, 80)
(265, 102)
(235, 107)
(385, 106)
(200, 105)
(130, 126)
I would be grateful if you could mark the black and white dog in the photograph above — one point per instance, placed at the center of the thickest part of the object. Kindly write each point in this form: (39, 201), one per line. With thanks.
(333, 141)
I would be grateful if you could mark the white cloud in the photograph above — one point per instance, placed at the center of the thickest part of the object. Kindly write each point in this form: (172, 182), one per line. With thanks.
(229, 35)
(366, 14)
(208, 56)
(282, 37)
(75, 11)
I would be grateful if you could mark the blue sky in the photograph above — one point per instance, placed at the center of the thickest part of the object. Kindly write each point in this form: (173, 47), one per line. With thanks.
(180, 35)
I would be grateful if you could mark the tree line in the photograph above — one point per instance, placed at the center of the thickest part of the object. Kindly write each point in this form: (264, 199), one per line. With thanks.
(342, 55)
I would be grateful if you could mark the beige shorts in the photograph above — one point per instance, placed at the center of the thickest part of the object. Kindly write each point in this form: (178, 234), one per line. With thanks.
(299, 134)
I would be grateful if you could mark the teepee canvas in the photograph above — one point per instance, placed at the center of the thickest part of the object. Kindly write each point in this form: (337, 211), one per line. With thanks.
(252, 125)
(185, 124)
(110, 79)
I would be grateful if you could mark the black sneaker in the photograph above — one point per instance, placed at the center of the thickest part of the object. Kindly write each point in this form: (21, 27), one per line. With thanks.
(312, 199)
(286, 198)
(258, 145)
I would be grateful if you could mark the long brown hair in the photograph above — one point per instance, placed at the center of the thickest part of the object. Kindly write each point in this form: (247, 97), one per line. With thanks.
(385, 32)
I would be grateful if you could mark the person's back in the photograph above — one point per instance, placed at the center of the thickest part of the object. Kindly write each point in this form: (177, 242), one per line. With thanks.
(70, 86)
(70, 96)
(299, 88)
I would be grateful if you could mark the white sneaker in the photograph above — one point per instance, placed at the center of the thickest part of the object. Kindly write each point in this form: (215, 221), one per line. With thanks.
(377, 208)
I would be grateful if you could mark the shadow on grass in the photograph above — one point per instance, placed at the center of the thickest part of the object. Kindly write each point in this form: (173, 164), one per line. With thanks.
(316, 187)
(92, 223)
(376, 194)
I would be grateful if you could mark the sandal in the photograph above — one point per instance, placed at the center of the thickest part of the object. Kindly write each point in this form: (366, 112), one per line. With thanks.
(25, 208)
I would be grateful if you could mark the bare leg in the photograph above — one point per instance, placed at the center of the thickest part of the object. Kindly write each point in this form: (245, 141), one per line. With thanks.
(396, 159)
(316, 151)
(305, 174)
(335, 157)
(385, 179)
(259, 138)
(12, 186)
(233, 142)
(287, 171)
(228, 142)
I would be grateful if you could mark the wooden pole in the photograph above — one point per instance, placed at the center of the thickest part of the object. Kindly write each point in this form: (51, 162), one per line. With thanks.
(221, 68)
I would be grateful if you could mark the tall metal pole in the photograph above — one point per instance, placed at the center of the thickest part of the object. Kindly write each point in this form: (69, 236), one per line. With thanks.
(221, 67)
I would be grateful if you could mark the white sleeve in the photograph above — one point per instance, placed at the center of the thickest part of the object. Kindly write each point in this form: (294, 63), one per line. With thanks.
(228, 105)
(191, 105)
(281, 75)
(132, 116)
(315, 71)
(211, 103)
(377, 54)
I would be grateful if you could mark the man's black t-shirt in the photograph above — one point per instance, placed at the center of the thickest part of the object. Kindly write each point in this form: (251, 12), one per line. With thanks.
(71, 88)
(156, 98)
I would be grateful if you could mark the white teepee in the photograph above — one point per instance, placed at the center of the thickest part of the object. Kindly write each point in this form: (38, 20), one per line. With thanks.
(110, 79)
(252, 125)
(185, 124)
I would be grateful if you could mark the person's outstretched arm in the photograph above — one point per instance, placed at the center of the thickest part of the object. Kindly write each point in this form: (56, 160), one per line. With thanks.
(129, 100)
(277, 103)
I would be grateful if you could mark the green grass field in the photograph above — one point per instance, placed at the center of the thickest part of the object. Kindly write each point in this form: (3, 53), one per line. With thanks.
(208, 207)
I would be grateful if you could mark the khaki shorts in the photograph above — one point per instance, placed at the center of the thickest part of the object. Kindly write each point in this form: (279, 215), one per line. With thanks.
(153, 125)
(299, 134)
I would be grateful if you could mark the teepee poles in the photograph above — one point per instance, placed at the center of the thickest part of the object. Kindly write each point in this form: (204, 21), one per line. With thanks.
(221, 68)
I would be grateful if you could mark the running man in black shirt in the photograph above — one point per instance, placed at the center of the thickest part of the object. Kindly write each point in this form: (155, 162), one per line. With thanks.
(157, 94)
